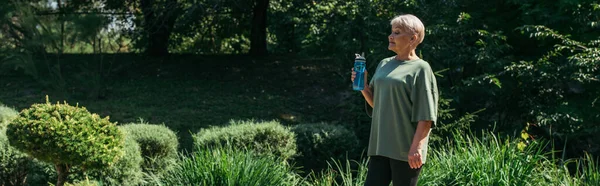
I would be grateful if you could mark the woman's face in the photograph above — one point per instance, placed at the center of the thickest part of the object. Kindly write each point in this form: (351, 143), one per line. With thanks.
(400, 41)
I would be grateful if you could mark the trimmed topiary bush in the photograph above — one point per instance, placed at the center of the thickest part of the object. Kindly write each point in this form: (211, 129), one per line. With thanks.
(66, 136)
(126, 171)
(319, 143)
(158, 145)
(265, 138)
(6, 114)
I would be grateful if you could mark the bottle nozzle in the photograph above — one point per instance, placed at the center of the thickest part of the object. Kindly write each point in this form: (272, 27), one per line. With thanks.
(359, 56)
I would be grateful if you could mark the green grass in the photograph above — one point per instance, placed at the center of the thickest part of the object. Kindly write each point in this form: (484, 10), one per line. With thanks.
(492, 160)
(229, 167)
(339, 173)
(485, 160)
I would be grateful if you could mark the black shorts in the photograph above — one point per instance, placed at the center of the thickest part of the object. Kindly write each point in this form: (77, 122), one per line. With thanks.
(383, 170)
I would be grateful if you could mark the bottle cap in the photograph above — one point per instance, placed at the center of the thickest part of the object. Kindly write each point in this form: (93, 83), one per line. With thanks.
(358, 56)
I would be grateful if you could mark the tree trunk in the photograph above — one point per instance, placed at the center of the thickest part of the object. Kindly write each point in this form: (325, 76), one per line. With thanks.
(63, 171)
(258, 36)
(62, 28)
(158, 25)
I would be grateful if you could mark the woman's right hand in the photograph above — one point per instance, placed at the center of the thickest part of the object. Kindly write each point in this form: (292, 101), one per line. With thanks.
(354, 76)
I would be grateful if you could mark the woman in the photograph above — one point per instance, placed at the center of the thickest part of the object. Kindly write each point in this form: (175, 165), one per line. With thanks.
(403, 94)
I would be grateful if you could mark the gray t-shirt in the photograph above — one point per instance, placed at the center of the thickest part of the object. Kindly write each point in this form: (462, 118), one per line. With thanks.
(405, 92)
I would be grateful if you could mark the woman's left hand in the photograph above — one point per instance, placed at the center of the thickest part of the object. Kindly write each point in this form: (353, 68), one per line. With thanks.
(414, 158)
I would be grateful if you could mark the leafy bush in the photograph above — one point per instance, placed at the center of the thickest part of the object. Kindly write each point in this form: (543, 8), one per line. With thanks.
(269, 138)
(158, 145)
(320, 142)
(229, 166)
(13, 164)
(16, 168)
(66, 136)
(126, 171)
(6, 114)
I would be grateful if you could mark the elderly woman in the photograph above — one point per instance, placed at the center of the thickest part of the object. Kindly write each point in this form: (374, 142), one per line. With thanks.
(403, 94)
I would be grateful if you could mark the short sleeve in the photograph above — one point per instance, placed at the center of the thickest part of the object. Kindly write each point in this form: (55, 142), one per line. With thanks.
(424, 96)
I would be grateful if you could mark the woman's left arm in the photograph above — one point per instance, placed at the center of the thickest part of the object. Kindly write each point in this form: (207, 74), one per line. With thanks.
(414, 154)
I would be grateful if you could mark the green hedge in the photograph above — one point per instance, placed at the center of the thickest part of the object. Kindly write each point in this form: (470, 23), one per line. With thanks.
(321, 142)
(263, 137)
(158, 145)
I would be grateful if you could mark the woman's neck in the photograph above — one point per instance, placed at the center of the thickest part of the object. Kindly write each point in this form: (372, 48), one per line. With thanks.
(412, 55)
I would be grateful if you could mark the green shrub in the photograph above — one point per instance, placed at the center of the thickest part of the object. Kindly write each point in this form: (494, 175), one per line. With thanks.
(13, 163)
(41, 173)
(229, 166)
(66, 136)
(318, 143)
(269, 138)
(16, 168)
(126, 171)
(6, 114)
(158, 145)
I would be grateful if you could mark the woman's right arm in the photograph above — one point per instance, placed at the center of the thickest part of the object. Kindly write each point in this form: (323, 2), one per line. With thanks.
(368, 91)
(368, 94)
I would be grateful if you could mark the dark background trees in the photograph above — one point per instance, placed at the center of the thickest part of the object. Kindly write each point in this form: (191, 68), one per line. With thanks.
(526, 64)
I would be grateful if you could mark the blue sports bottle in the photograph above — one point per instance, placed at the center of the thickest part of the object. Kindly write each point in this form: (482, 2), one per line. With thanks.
(359, 68)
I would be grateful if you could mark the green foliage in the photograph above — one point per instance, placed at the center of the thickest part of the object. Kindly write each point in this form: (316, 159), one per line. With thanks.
(158, 145)
(84, 183)
(229, 166)
(569, 74)
(270, 138)
(32, 36)
(352, 173)
(490, 160)
(320, 142)
(6, 115)
(17, 168)
(588, 170)
(66, 135)
(13, 163)
(127, 171)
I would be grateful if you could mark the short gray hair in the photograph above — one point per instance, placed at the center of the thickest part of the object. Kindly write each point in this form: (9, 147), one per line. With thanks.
(409, 23)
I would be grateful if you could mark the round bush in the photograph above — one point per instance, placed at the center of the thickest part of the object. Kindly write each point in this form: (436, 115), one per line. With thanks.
(264, 138)
(318, 143)
(66, 136)
(6, 115)
(126, 171)
(158, 145)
